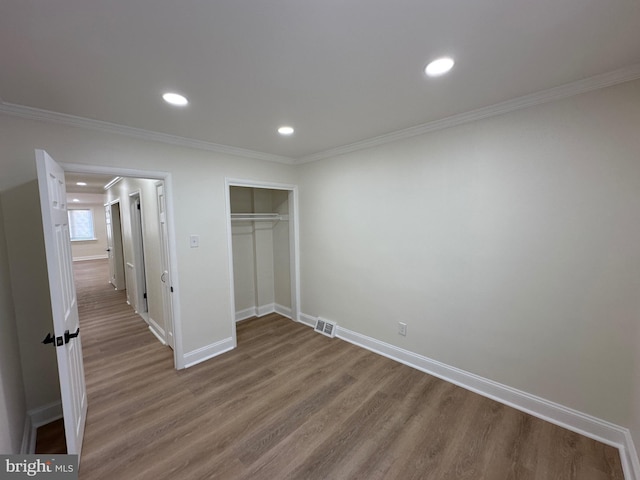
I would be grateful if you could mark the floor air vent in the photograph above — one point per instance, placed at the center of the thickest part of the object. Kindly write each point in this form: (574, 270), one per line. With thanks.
(325, 327)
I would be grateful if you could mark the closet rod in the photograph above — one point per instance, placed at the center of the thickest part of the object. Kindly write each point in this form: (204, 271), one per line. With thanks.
(258, 216)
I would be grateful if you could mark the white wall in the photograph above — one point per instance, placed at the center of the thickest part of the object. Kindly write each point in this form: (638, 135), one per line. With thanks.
(151, 228)
(244, 267)
(198, 179)
(12, 397)
(30, 288)
(509, 246)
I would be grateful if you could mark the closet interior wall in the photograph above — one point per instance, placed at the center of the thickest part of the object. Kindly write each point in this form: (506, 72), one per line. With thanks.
(261, 260)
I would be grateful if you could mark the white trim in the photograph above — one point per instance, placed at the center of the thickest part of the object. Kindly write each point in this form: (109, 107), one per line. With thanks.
(294, 253)
(91, 124)
(282, 310)
(91, 257)
(37, 417)
(45, 414)
(28, 437)
(609, 79)
(241, 182)
(263, 310)
(582, 423)
(308, 320)
(205, 353)
(156, 333)
(136, 222)
(178, 357)
(555, 413)
(294, 245)
(629, 457)
(585, 85)
(144, 316)
(246, 313)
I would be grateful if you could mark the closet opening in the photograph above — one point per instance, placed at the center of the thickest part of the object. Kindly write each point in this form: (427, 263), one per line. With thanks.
(263, 250)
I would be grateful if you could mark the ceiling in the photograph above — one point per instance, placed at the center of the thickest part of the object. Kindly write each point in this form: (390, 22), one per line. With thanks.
(339, 72)
(94, 182)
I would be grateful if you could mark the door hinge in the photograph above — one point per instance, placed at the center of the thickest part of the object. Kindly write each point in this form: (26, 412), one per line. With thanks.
(171, 289)
(144, 295)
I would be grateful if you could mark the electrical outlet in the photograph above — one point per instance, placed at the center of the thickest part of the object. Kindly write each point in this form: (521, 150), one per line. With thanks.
(402, 329)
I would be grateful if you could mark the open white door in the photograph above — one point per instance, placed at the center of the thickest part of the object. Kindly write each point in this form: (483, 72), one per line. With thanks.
(167, 288)
(53, 203)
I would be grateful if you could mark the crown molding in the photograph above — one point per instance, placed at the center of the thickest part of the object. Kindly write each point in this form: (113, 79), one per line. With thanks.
(81, 122)
(556, 93)
(596, 82)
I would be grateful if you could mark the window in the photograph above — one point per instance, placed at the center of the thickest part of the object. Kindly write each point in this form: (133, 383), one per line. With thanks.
(81, 225)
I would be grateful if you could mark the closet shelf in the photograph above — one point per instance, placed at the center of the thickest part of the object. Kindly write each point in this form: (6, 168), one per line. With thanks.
(258, 216)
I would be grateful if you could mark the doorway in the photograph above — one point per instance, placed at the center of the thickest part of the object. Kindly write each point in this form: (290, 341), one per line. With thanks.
(139, 266)
(115, 251)
(136, 268)
(263, 249)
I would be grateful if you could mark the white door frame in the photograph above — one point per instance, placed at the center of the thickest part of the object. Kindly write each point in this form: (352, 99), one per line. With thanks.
(294, 242)
(117, 248)
(178, 355)
(137, 234)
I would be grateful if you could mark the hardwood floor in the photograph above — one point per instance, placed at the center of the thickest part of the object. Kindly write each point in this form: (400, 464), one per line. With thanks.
(292, 404)
(50, 438)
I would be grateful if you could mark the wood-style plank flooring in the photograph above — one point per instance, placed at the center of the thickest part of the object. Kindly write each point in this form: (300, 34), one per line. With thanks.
(289, 403)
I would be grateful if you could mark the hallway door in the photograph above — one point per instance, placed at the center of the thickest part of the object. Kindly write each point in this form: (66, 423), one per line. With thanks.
(64, 306)
(167, 288)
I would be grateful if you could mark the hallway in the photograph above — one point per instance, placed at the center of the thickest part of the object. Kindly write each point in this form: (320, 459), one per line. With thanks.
(125, 365)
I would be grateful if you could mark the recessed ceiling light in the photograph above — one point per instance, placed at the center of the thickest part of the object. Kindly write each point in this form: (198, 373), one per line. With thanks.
(175, 99)
(285, 130)
(439, 66)
(82, 184)
(76, 200)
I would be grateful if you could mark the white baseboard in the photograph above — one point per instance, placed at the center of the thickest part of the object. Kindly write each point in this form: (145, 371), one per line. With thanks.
(205, 353)
(157, 330)
(246, 313)
(91, 257)
(157, 335)
(28, 437)
(587, 425)
(144, 316)
(307, 320)
(37, 417)
(284, 311)
(263, 310)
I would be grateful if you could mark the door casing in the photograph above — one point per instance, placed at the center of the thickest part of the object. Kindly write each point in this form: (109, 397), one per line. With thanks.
(294, 243)
(178, 351)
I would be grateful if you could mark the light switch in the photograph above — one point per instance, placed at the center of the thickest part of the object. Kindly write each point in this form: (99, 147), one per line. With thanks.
(194, 241)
